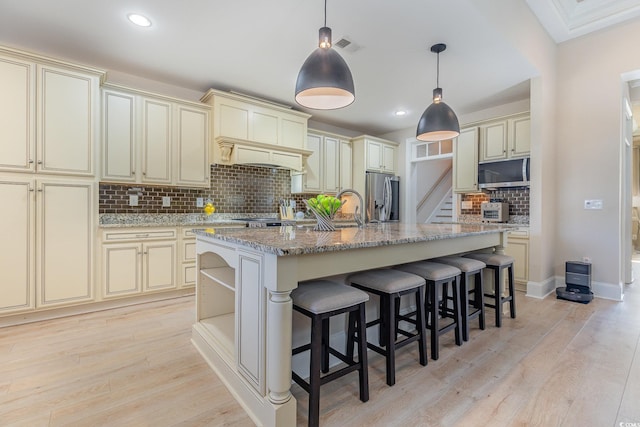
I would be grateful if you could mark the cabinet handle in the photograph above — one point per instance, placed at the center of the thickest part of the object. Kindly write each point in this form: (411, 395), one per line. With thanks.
(146, 253)
(39, 190)
(30, 161)
(39, 162)
(142, 235)
(139, 253)
(31, 190)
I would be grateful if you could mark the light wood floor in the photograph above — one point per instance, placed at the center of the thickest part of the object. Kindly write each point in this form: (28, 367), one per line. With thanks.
(558, 364)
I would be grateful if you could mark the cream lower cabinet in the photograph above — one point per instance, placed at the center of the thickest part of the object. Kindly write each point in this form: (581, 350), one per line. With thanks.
(518, 248)
(135, 261)
(188, 270)
(46, 251)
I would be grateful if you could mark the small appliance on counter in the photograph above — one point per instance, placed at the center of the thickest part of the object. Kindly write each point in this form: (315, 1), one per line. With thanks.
(494, 211)
(578, 281)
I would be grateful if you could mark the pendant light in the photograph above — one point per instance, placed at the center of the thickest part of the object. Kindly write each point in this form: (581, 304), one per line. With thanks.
(438, 122)
(324, 81)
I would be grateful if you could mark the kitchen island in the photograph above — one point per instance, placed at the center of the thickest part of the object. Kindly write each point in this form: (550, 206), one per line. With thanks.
(243, 307)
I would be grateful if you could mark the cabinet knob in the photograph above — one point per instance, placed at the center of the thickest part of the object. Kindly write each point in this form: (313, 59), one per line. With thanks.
(146, 253)
(30, 161)
(39, 162)
(39, 190)
(31, 190)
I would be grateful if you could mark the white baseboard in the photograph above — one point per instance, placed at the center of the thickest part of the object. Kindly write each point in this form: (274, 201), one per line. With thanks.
(602, 290)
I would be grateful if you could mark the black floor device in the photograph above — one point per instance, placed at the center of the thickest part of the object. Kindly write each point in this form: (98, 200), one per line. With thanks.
(578, 281)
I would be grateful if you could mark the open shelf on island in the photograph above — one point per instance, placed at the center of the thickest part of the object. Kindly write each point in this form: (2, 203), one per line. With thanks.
(225, 276)
(223, 329)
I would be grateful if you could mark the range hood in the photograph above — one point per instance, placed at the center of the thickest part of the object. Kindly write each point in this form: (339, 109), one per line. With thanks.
(239, 151)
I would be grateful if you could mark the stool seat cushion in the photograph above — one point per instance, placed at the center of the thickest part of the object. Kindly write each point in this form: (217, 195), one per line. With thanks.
(493, 260)
(323, 296)
(465, 265)
(430, 270)
(386, 280)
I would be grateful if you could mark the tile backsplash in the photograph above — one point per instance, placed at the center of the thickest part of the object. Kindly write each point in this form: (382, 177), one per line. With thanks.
(234, 189)
(517, 197)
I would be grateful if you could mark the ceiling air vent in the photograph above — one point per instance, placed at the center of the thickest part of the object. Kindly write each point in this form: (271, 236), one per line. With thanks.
(345, 44)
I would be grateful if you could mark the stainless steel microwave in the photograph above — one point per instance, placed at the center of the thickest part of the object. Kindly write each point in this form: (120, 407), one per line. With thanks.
(506, 173)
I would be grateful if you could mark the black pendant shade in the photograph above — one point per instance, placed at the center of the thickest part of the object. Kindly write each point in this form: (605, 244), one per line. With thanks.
(325, 81)
(438, 122)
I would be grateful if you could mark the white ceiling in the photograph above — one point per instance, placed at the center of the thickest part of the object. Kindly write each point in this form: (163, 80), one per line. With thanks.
(257, 47)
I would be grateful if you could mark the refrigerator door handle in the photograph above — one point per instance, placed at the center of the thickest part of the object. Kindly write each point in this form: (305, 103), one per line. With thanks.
(386, 212)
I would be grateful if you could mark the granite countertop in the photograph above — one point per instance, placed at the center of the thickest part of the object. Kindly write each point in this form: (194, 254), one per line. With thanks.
(175, 220)
(292, 240)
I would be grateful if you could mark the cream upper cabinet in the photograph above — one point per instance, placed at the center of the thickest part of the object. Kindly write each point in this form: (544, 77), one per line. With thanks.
(505, 138)
(48, 112)
(17, 115)
(154, 140)
(325, 169)
(191, 146)
(47, 246)
(250, 130)
(465, 161)
(379, 154)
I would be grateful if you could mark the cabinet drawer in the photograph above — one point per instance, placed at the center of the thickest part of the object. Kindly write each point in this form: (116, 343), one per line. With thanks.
(137, 235)
(519, 234)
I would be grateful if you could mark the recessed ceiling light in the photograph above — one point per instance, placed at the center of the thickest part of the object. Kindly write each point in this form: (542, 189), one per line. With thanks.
(400, 113)
(139, 20)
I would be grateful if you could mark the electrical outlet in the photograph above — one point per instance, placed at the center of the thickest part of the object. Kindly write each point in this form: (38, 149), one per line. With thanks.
(199, 202)
(166, 201)
(133, 200)
(467, 204)
(593, 204)
(586, 259)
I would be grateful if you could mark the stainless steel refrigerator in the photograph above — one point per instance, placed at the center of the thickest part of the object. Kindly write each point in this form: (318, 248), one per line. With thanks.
(382, 197)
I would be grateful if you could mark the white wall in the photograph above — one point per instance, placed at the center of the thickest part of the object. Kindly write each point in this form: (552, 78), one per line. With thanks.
(590, 146)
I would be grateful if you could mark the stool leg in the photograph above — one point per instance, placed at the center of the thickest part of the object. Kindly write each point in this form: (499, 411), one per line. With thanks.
(389, 308)
(314, 371)
(362, 354)
(479, 297)
(351, 334)
(512, 306)
(464, 306)
(434, 292)
(455, 285)
(325, 345)
(420, 325)
(498, 279)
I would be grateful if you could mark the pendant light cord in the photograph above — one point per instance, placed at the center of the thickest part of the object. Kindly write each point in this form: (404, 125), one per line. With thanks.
(325, 13)
(438, 70)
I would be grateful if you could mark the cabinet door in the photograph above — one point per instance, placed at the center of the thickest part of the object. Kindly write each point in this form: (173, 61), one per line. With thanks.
(465, 161)
(17, 246)
(519, 250)
(264, 126)
(65, 241)
(156, 141)
(121, 269)
(313, 176)
(493, 141)
(520, 137)
(159, 261)
(293, 131)
(231, 118)
(192, 142)
(388, 158)
(374, 156)
(66, 123)
(118, 136)
(346, 154)
(17, 112)
(331, 167)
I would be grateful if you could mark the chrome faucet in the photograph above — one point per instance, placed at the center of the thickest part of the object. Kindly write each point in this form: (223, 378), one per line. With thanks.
(360, 219)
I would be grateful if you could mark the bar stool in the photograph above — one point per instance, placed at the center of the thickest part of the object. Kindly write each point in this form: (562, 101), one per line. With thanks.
(497, 263)
(320, 300)
(469, 268)
(390, 285)
(436, 276)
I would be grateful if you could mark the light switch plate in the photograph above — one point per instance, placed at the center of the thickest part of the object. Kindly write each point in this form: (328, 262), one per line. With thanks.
(467, 204)
(199, 202)
(593, 204)
(166, 201)
(133, 200)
